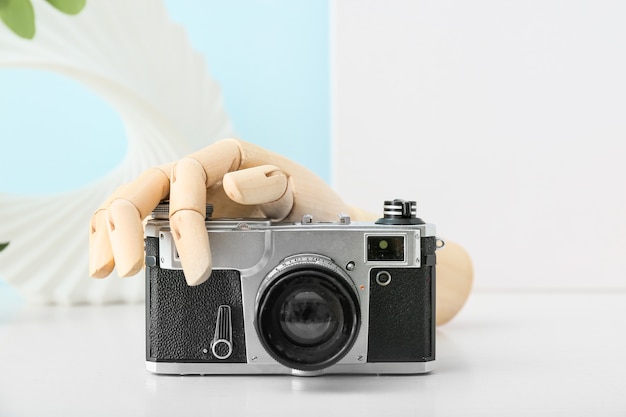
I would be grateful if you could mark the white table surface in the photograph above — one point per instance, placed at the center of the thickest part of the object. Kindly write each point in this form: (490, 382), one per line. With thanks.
(529, 354)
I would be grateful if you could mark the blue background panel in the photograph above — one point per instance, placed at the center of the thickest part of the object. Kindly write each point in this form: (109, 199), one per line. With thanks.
(271, 59)
(49, 127)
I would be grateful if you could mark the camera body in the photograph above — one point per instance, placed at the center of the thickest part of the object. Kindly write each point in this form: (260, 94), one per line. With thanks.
(301, 298)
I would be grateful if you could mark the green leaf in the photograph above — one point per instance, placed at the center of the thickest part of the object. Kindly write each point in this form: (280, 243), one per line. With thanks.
(3, 246)
(19, 16)
(68, 6)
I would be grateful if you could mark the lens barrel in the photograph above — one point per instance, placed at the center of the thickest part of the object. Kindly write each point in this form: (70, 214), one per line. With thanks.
(308, 314)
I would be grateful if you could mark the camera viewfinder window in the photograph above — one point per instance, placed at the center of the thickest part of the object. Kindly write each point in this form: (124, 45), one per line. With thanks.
(385, 248)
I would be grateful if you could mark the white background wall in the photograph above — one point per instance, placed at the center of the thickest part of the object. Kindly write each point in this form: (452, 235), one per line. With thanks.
(505, 120)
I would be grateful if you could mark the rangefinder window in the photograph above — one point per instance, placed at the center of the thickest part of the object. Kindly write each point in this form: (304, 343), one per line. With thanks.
(385, 248)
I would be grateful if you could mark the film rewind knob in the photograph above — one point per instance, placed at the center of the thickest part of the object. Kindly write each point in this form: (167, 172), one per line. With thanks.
(222, 343)
(399, 212)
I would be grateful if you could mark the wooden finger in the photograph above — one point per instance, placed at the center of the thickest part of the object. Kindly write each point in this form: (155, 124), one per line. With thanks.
(126, 236)
(279, 209)
(120, 219)
(218, 159)
(309, 193)
(147, 190)
(265, 186)
(258, 185)
(187, 216)
(101, 261)
(188, 186)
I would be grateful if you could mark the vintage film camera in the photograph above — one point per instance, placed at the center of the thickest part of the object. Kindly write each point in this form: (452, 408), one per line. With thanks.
(301, 298)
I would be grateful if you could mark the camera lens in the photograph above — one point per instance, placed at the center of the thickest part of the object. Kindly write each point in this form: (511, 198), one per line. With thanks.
(309, 317)
(307, 313)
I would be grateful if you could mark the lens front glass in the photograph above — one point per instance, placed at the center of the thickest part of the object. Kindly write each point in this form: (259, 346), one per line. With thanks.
(309, 317)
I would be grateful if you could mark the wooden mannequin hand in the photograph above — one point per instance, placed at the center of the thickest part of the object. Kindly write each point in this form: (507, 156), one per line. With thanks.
(240, 180)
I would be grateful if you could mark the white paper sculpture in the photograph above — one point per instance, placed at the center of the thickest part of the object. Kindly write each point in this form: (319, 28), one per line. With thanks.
(136, 58)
